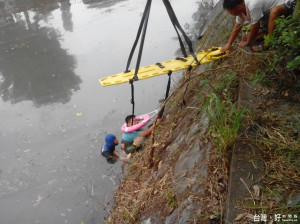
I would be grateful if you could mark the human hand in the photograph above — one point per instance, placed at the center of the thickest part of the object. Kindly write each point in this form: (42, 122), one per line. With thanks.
(225, 48)
(158, 120)
(123, 159)
(123, 146)
(126, 159)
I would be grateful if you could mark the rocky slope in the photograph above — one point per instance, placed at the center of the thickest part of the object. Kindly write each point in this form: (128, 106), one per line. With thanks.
(184, 172)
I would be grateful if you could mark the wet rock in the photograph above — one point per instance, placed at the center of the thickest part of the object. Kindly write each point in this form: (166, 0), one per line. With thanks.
(185, 216)
(294, 199)
(159, 165)
(148, 221)
(185, 177)
(172, 218)
(151, 220)
(182, 214)
(188, 159)
(172, 148)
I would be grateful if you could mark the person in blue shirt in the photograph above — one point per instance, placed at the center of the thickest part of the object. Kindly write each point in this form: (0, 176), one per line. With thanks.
(109, 151)
(131, 141)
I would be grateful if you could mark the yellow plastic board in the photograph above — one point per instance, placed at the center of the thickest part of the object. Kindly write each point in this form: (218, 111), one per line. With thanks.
(164, 67)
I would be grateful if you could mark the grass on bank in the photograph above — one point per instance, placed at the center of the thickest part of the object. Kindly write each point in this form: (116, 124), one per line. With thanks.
(277, 129)
(276, 136)
(216, 100)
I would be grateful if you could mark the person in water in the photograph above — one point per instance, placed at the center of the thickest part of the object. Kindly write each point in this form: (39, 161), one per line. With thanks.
(260, 13)
(109, 151)
(132, 141)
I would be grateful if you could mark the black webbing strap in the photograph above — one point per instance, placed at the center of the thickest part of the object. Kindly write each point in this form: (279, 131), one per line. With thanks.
(180, 42)
(142, 27)
(132, 95)
(183, 97)
(176, 24)
(137, 66)
(161, 112)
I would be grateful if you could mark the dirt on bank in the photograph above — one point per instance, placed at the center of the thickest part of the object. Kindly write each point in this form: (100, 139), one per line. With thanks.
(182, 173)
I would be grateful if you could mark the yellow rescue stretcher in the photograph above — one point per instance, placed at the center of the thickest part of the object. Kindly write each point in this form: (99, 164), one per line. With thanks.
(166, 66)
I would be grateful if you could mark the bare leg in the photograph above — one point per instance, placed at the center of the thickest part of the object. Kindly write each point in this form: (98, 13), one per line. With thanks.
(124, 162)
(275, 12)
(260, 34)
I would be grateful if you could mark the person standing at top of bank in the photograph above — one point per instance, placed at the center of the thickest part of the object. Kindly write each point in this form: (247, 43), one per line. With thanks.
(260, 13)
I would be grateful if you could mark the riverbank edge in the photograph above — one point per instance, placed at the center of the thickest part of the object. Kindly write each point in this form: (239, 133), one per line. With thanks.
(187, 176)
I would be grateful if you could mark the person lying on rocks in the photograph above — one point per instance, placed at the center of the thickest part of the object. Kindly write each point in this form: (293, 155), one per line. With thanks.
(132, 141)
(261, 14)
(109, 151)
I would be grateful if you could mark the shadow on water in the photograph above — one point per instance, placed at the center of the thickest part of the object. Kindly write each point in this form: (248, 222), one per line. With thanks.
(101, 3)
(33, 65)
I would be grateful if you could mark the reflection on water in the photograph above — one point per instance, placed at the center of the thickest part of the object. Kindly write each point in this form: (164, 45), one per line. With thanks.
(32, 63)
(101, 3)
(66, 15)
(50, 152)
(206, 13)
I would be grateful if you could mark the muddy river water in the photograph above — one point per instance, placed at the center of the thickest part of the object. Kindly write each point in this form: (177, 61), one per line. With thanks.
(54, 114)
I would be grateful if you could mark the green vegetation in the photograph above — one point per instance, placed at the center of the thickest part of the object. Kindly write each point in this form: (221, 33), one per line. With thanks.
(277, 131)
(224, 116)
(282, 60)
(225, 120)
(259, 77)
(171, 198)
(285, 41)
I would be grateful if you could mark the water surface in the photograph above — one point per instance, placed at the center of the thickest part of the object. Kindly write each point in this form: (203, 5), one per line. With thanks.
(54, 112)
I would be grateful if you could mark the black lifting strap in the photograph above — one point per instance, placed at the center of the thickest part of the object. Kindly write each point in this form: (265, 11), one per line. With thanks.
(132, 95)
(161, 112)
(187, 86)
(180, 42)
(143, 26)
(176, 25)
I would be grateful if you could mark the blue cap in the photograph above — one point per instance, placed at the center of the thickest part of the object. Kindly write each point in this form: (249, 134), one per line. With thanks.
(110, 140)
